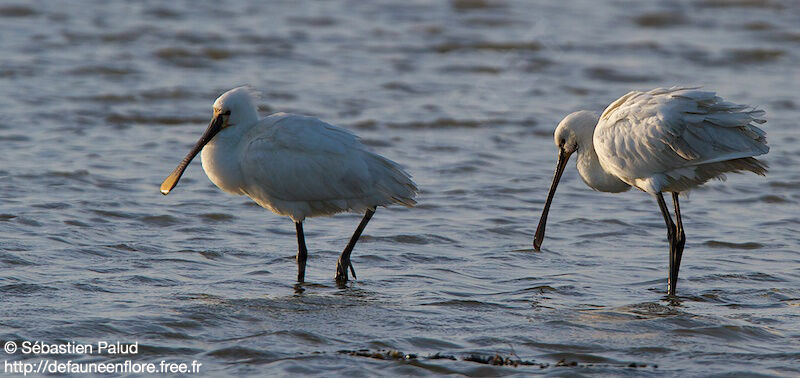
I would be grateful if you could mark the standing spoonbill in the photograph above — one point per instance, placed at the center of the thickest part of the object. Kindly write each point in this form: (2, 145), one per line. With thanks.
(664, 140)
(296, 166)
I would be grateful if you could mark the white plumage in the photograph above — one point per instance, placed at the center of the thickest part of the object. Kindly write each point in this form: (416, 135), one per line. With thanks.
(302, 167)
(670, 140)
(296, 166)
(664, 140)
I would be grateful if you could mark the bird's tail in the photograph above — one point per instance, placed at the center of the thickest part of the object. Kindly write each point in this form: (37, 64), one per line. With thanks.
(393, 182)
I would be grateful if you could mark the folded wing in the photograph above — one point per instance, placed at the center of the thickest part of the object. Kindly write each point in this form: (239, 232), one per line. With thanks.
(301, 166)
(685, 135)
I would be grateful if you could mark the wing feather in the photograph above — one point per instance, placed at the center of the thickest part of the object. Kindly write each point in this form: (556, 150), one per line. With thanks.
(304, 159)
(301, 166)
(668, 130)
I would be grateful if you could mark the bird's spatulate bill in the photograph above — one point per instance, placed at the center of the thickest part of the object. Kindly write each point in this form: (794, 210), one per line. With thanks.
(176, 174)
(172, 180)
(563, 157)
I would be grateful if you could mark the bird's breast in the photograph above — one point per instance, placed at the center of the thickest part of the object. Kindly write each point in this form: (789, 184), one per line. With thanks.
(221, 163)
(596, 176)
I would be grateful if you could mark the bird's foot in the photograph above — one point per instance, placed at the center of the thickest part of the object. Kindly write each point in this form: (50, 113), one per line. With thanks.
(341, 271)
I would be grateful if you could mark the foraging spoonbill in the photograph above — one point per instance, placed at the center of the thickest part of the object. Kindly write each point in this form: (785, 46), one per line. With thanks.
(664, 140)
(295, 166)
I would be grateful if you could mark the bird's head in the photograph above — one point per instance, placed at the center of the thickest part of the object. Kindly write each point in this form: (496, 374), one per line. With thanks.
(234, 108)
(574, 131)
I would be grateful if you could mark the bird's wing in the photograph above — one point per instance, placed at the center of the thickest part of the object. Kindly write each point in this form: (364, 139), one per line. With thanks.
(644, 133)
(299, 158)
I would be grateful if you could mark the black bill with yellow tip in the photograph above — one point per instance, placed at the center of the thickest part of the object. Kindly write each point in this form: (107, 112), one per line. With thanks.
(172, 180)
(563, 157)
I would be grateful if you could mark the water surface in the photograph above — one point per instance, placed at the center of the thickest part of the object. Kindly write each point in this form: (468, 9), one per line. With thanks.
(102, 100)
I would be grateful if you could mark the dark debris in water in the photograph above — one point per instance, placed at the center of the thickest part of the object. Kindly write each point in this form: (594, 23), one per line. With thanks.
(494, 360)
(439, 356)
(381, 354)
(498, 360)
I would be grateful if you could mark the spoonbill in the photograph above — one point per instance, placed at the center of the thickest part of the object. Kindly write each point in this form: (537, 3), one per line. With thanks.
(664, 140)
(296, 166)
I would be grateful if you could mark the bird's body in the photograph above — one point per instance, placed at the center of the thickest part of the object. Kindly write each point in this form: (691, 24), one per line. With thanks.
(302, 167)
(664, 140)
(295, 166)
(671, 140)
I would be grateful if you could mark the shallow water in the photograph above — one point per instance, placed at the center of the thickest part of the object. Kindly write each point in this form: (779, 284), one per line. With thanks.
(102, 100)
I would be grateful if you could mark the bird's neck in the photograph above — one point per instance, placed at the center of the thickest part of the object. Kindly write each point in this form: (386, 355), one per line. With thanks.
(592, 171)
(220, 157)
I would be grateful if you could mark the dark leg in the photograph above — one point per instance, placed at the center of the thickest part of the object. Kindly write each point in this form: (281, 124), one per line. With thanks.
(672, 282)
(344, 259)
(302, 252)
(680, 236)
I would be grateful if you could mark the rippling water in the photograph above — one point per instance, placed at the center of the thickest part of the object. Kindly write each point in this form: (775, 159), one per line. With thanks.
(101, 100)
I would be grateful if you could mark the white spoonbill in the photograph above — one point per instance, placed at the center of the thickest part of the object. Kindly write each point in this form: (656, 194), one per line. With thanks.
(296, 166)
(664, 140)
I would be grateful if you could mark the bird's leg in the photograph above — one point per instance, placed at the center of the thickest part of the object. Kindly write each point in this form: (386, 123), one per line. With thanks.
(302, 252)
(344, 259)
(672, 281)
(679, 234)
(678, 222)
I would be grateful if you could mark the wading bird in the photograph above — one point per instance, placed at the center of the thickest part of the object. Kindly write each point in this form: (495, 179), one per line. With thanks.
(295, 166)
(664, 140)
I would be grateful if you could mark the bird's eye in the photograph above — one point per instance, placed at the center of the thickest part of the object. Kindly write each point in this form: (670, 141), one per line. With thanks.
(227, 112)
(562, 142)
